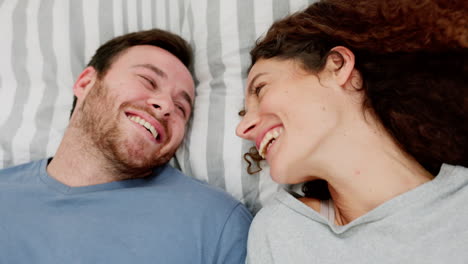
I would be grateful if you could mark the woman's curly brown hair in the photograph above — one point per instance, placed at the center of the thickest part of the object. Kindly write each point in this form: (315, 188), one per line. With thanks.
(412, 57)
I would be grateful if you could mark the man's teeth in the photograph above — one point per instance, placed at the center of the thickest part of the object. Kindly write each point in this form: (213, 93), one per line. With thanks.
(145, 124)
(268, 139)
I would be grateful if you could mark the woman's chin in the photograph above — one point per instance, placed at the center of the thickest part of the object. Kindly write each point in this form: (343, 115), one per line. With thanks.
(279, 175)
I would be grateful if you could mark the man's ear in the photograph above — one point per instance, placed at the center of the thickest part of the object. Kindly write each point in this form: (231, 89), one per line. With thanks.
(340, 63)
(85, 82)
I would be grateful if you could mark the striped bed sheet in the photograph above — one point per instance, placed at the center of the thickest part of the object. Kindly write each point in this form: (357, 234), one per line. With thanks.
(46, 44)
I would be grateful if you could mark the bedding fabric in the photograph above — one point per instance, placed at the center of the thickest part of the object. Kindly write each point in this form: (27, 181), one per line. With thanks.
(165, 218)
(45, 45)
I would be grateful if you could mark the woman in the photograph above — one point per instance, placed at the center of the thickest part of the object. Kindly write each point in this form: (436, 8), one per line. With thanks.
(366, 102)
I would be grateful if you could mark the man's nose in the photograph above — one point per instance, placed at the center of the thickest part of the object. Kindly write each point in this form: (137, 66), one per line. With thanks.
(163, 104)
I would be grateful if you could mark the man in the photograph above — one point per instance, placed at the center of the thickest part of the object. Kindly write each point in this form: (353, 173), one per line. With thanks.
(108, 195)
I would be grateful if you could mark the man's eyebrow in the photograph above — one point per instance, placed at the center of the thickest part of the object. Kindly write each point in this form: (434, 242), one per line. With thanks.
(186, 96)
(153, 68)
(249, 88)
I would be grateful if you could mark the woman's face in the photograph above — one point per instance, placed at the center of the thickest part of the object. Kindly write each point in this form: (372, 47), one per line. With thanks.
(291, 116)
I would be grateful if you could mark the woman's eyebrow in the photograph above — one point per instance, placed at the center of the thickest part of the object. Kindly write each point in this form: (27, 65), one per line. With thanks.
(250, 86)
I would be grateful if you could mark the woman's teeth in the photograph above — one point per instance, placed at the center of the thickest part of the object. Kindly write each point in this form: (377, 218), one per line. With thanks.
(268, 140)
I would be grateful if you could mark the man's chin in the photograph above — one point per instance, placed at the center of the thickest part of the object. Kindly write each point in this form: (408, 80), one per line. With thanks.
(142, 160)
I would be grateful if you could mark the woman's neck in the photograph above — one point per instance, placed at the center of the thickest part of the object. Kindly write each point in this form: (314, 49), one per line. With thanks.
(364, 170)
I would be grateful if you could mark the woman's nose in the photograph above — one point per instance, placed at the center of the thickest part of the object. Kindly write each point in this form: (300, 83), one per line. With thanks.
(246, 126)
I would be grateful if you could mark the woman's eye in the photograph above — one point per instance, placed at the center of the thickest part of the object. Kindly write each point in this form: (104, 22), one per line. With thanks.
(258, 88)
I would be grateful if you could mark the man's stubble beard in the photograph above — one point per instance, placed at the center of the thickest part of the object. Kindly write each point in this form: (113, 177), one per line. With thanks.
(99, 122)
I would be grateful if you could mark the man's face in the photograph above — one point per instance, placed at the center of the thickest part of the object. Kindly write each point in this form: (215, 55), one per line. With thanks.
(136, 115)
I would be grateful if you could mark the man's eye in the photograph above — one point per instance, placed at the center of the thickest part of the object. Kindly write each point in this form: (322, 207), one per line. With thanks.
(182, 110)
(149, 81)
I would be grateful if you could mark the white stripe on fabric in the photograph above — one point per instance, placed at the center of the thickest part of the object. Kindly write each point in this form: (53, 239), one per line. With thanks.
(65, 77)
(161, 14)
(7, 93)
(297, 5)
(33, 66)
(91, 30)
(263, 16)
(146, 14)
(132, 16)
(117, 13)
(199, 129)
(172, 17)
(234, 85)
(18, 63)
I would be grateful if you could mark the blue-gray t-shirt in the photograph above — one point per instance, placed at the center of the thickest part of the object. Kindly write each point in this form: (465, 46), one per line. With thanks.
(165, 218)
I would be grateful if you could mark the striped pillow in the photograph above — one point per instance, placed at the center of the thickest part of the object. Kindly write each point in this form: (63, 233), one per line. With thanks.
(45, 45)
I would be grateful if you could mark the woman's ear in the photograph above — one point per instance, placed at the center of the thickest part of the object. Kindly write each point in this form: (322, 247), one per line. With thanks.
(340, 62)
(85, 82)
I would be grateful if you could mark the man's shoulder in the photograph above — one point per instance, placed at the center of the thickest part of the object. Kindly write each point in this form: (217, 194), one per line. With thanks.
(21, 171)
(199, 191)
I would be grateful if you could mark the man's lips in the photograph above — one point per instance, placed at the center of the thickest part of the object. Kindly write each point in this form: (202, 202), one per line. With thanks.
(149, 123)
(145, 125)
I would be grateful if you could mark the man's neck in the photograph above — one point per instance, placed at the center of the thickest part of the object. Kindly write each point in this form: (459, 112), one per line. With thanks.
(78, 162)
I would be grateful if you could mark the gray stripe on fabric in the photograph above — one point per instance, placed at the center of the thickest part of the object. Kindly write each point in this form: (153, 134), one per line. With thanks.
(168, 15)
(181, 14)
(139, 14)
(191, 25)
(280, 9)
(124, 17)
(187, 169)
(247, 36)
(44, 114)
(106, 20)
(18, 65)
(215, 144)
(77, 37)
(153, 14)
(1, 3)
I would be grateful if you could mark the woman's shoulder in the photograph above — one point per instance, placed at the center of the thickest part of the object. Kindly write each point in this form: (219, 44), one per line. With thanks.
(283, 208)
